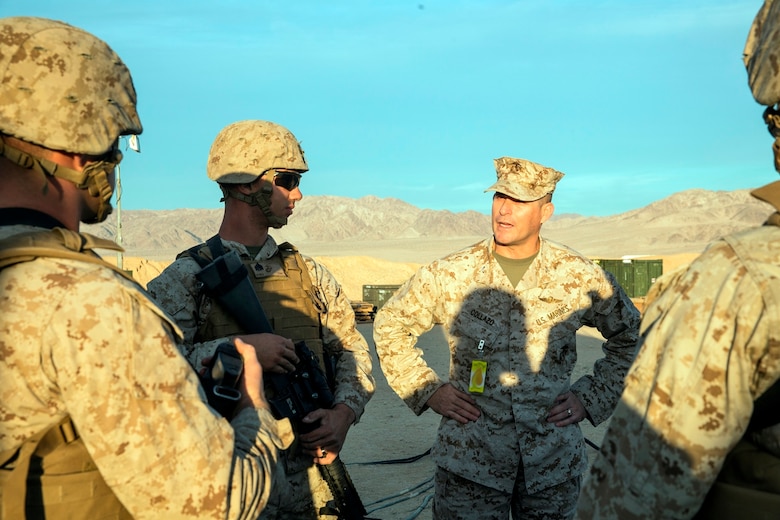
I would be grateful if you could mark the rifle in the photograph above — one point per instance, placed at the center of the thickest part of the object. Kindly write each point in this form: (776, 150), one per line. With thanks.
(295, 395)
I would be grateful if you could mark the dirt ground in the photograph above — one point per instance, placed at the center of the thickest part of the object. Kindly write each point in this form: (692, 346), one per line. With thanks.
(389, 430)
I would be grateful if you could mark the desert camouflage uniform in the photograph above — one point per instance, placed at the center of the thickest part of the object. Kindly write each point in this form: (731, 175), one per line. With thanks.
(80, 340)
(529, 334)
(176, 291)
(710, 347)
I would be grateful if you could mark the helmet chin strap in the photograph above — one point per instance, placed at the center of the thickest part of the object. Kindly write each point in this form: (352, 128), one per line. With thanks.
(772, 120)
(260, 198)
(98, 186)
(93, 178)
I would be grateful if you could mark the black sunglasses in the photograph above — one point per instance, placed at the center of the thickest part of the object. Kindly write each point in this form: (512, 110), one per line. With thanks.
(287, 180)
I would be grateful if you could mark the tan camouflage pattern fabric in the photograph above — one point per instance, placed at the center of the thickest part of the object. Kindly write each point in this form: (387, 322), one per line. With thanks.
(530, 348)
(244, 150)
(175, 289)
(63, 88)
(299, 496)
(762, 54)
(710, 345)
(524, 180)
(80, 340)
(461, 499)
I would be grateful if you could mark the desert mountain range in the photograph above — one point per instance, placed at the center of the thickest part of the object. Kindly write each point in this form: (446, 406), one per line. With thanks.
(374, 240)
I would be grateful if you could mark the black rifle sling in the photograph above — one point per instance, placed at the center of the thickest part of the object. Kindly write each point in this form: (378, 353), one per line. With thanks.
(226, 279)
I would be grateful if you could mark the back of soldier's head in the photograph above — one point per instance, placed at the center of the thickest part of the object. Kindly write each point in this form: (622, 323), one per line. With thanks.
(63, 88)
(762, 60)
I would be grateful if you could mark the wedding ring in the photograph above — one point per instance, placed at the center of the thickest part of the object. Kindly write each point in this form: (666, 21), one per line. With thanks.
(324, 454)
(568, 412)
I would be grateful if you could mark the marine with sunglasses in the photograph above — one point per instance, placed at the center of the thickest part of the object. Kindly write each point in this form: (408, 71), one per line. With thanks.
(258, 166)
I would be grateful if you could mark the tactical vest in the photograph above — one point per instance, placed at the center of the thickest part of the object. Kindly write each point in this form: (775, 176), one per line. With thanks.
(51, 475)
(282, 283)
(748, 485)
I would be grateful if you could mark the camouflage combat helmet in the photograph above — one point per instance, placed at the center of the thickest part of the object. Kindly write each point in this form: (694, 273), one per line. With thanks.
(64, 89)
(246, 150)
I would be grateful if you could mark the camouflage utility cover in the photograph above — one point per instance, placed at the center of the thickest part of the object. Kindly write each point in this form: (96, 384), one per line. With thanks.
(529, 334)
(80, 340)
(244, 150)
(63, 88)
(524, 180)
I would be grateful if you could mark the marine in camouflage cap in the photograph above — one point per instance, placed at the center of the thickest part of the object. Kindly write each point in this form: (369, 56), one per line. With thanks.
(66, 90)
(247, 150)
(509, 439)
(524, 180)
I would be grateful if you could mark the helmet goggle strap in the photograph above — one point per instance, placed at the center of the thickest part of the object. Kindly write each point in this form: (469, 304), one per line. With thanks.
(93, 178)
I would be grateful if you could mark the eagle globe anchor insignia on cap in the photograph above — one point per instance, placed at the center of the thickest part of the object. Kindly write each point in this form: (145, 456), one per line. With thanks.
(524, 180)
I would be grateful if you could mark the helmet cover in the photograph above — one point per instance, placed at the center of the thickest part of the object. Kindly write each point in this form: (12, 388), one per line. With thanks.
(245, 150)
(63, 88)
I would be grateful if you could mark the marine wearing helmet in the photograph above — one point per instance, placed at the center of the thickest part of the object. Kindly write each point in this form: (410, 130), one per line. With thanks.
(246, 151)
(77, 102)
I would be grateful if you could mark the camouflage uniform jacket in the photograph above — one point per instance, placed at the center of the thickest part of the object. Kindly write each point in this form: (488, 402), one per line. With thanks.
(710, 346)
(177, 292)
(529, 334)
(80, 340)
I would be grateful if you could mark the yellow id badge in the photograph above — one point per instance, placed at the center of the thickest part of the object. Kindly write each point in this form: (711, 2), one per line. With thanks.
(477, 379)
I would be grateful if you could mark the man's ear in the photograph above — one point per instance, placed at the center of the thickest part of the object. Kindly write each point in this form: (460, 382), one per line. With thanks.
(250, 187)
(547, 211)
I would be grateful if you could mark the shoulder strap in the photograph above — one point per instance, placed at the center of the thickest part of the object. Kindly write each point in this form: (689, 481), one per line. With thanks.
(56, 243)
(215, 246)
(41, 444)
(204, 253)
(293, 259)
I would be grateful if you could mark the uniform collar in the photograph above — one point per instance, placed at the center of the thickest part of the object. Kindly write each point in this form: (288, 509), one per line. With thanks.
(28, 217)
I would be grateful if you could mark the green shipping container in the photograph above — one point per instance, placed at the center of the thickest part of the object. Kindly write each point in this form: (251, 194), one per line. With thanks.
(378, 294)
(634, 276)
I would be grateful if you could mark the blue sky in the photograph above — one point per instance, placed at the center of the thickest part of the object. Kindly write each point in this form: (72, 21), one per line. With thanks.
(632, 100)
